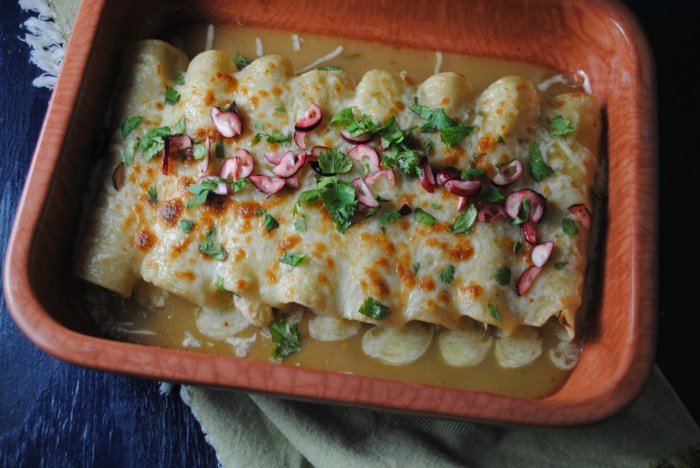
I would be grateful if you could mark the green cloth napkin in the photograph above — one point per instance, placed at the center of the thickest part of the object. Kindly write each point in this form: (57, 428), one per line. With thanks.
(259, 430)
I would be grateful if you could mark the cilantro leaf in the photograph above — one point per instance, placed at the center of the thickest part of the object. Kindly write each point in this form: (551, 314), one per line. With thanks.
(448, 274)
(179, 78)
(286, 337)
(340, 201)
(343, 118)
(275, 137)
(300, 224)
(269, 222)
(186, 225)
(502, 276)
(517, 245)
(538, 168)
(333, 161)
(569, 227)
(241, 61)
(128, 125)
(180, 127)
(465, 221)
(128, 153)
(374, 309)
(500, 140)
(561, 126)
(495, 313)
(219, 149)
(211, 248)
(152, 142)
(220, 284)
(171, 96)
(523, 213)
(153, 194)
(199, 151)
(493, 195)
(435, 119)
(424, 217)
(415, 267)
(452, 136)
(388, 217)
(292, 259)
(560, 265)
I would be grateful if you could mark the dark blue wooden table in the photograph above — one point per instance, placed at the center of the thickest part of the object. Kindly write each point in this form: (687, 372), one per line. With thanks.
(55, 414)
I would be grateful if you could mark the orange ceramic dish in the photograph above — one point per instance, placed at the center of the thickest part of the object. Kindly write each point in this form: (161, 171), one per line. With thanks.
(597, 39)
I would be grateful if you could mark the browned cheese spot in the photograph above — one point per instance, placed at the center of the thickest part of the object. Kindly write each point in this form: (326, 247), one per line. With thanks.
(144, 240)
(239, 254)
(288, 243)
(486, 144)
(426, 284)
(186, 275)
(170, 211)
(473, 292)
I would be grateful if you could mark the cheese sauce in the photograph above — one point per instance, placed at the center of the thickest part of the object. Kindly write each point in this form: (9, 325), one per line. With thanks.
(159, 319)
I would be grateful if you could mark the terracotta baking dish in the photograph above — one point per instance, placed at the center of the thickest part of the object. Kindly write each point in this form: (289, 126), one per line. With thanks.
(600, 38)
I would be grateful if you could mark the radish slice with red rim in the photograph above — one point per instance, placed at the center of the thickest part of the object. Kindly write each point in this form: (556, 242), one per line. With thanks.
(373, 177)
(427, 180)
(541, 252)
(446, 174)
(221, 187)
(166, 157)
(229, 169)
(246, 164)
(289, 164)
(275, 158)
(362, 138)
(508, 173)
(490, 212)
(537, 202)
(463, 188)
(582, 214)
(527, 278)
(227, 123)
(310, 120)
(363, 152)
(364, 194)
(300, 139)
(118, 176)
(266, 184)
(462, 203)
(529, 233)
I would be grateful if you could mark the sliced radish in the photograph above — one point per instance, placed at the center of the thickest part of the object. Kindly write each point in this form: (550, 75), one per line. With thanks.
(405, 210)
(463, 188)
(300, 139)
(427, 180)
(529, 232)
(292, 182)
(541, 252)
(276, 158)
(582, 214)
(266, 184)
(310, 120)
(373, 177)
(527, 278)
(221, 187)
(227, 123)
(180, 142)
(509, 173)
(118, 176)
(462, 203)
(490, 212)
(364, 194)
(246, 164)
(289, 164)
(446, 174)
(363, 152)
(361, 138)
(204, 165)
(537, 202)
(166, 157)
(315, 151)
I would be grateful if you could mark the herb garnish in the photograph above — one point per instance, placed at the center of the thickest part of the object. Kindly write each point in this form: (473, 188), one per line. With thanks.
(269, 222)
(415, 268)
(179, 78)
(211, 248)
(220, 284)
(201, 190)
(495, 313)
(219, 149)
(300, 224)
(128, 153)
(241, 61)
(292, 259)
(500, 140)
(523, 213)
(447, 275)
(388, 217)
(516, 247)
(338, 196)
(502, 276)
(560, 265)
(152, 142)
(373, 309)
(560, 126)
(568, 225)
(286, 337)
(451, 131)
(424, 217)
(186, 225)
(171, 96)
(180, 127)
(128, 125)
(153, 194)
(538, 168)
(334, 162)
(465, 221)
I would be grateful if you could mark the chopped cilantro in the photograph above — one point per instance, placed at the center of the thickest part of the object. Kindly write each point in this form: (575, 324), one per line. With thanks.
(502, 276)
(465, 221)
(500, 140)
(343, 118)
(495, 313)
(180, 127)
(201, 190)
(523, 213)
(451, 131)
(435, 206)
(493, 195)
(516, 247)
(171, 96)
(334, 162)
(241, 61)
(560, 265)
(211, 248)
(152, 142)
(448, 274)
(179, 78)
(424, 217)
(292, 259)
(280, 109)
(220, 284)
(473, 173)
(388, 217)
(153, 194)
(199, 151)
(186, 225)
(561, 126)
(568, 225)
(260, 212)
(258, 126)
(300, 224)
(339, 199)
(415, 267)
(452, 136)
(128, 125)
(128, 153)
(269, 222)
(373, 309)
(219, 149)
(286, 337)
(538, 168)
(275, 137)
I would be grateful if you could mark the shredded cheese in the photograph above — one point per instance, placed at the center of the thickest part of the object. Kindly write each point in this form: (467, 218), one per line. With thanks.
(210, 37)
(325, 58)
(438, 62)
